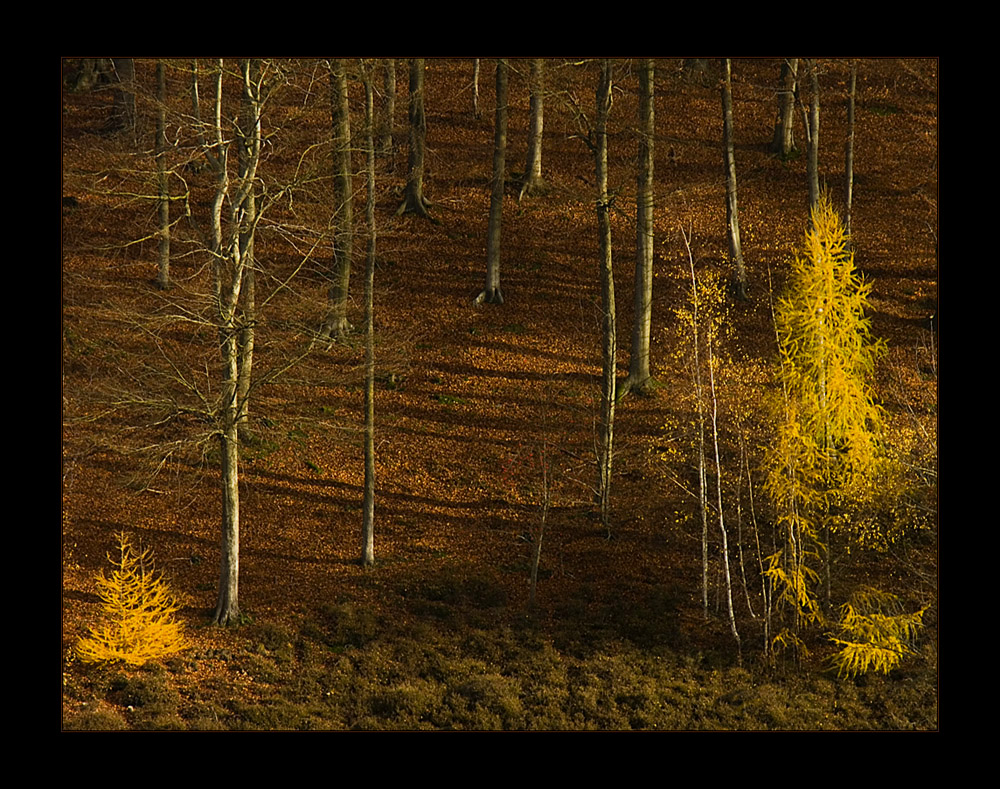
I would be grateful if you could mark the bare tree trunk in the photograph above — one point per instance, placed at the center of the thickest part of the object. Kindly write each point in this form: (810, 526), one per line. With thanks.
(700, 404)
(608, 324)
(475, 89)
(336, 325)
(536, 557)
(533, 182)
(217, 153)
(387, 149)
(718, 490)
(235, 313)
(812, 164)
(163, 202)
(227, 608)
(783, 142)
(638, 375)
(368, 518)
(248, 136)
(732, 209)
(849, 152)
(414, 200)
(492, 294)
(123, 102)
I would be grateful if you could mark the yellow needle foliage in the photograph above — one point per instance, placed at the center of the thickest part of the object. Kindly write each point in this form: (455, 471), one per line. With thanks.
(827, 358)
(826, 450)
(138, 610)
(876, 633)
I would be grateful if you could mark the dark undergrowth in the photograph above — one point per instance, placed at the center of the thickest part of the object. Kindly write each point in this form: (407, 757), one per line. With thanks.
(457, 659)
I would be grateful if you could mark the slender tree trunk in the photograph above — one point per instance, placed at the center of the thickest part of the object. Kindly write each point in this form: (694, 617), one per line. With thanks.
(533, 182)
(608, 323)
(475, 89)
(249, 154)
(812, 164)
(492, 293)
(536, 558)
(387, 149)
(718, 490)
(849, 152)
(123, 102)
(163, 202)
(336, 325)
(783, 142)
(699, 392)
(217, 153)
(235, 314)
(638, 374)
(227, 608)
(732, 209)
(414, 200)
(368, 518)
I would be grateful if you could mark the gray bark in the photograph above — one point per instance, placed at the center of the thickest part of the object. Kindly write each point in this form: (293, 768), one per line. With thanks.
(533, 182)
(387, 149)
(163, 201)
(849, 151)
(235, 313)
(368, 516)
(732, 208)
(783, 142)
(414, 201)
(123, 101)
(639, 375)
(336, 324)
(248, 138)
(492, 293)
(475, 89)
(812, 164)
(608, 323)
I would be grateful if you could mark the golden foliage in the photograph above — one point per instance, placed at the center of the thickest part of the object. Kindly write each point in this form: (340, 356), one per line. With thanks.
(792, 580)
(827, 447)
(138, 610)
(832, 425)
(877, 635)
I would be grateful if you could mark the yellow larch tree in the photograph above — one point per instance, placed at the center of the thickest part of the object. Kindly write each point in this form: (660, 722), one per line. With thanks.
(137, 613)
(827, 447)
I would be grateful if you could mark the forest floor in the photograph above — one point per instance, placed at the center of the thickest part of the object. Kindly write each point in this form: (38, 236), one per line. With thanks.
(470, 401)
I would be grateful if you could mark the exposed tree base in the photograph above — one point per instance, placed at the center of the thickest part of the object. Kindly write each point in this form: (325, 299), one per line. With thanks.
(785, 156)
(533, 187)
(418, 205)
(493, 296)
(226, 615)
(738, 289)
(335, 330)
(162, 284)
(644, 388)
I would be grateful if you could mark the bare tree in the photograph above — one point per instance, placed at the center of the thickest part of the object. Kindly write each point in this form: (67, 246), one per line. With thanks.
(533, 183)
(163, 200)
(491, 293)
(475, 89)
(812, 131)
(123, 115)
(336, 324)
(368, 518)
(235, 313)
(413, 200)
(732, 209)
(783, 141)
(386, 148)
(606, 428)
(639, 375)
(849, 148)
